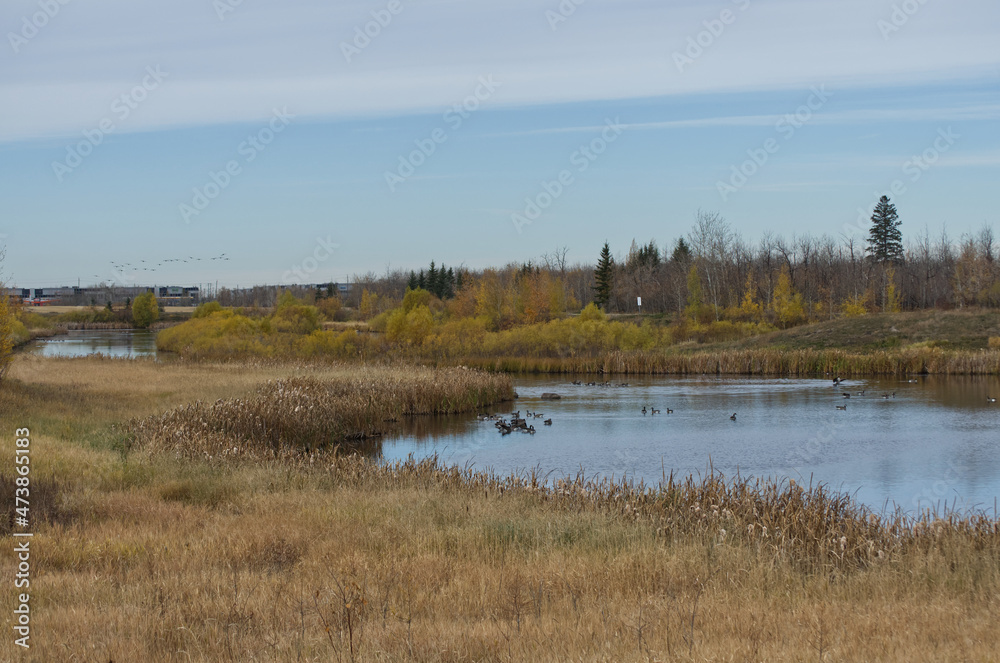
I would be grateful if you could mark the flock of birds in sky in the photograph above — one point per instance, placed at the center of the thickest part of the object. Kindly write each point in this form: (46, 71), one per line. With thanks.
(150, 266)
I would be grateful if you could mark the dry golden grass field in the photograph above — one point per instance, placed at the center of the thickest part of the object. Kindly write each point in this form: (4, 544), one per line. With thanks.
(151, 550)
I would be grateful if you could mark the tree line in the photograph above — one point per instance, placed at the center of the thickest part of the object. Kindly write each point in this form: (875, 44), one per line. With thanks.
(715, 267)
(709, 273)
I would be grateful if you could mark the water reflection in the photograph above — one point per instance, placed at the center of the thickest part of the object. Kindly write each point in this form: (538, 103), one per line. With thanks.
(115, 343)
(935, 441)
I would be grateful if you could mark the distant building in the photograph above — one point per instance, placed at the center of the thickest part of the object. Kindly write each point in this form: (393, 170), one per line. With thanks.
(17, 295)
(101, 295)
(177, 295)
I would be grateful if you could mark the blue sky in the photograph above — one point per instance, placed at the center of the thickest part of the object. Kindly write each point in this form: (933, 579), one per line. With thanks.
(825, 105)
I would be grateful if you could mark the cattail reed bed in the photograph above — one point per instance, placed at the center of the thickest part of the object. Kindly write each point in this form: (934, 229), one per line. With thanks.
(812, 528)
(765, 362)
(305, 413)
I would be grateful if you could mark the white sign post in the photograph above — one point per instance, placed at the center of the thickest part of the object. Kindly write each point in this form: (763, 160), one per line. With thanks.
(639, 302)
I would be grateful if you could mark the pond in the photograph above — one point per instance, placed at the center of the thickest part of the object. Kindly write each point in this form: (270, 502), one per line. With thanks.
(114, 343)
(933, 440)
(914, 443)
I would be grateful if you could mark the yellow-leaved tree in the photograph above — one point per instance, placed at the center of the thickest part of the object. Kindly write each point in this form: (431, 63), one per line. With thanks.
(367, 308)
(751, 308)
(6, 332)
(145, 310)
(893, 298)
(855, 307)
(10, 327)
(494, 301)
(787, 304)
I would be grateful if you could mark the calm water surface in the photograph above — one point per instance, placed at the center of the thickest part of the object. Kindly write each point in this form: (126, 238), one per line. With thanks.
(117, 343)
(936, 441)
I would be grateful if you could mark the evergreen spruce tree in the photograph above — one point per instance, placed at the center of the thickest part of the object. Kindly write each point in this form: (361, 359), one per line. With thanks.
(422, 281)
(432, 279)
(604, 277)
(885, 241)
(441, 286)
(682, 252)
(651, 254)
(412, 284)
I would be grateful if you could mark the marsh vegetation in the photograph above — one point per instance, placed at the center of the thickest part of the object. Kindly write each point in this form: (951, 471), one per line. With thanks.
(321, 556)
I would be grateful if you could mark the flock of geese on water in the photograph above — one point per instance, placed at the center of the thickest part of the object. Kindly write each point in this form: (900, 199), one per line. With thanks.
(518, 424)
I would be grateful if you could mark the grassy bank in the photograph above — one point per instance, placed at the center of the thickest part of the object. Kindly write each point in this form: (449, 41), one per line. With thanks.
(315, 557)
(936, 342)
(968, 330)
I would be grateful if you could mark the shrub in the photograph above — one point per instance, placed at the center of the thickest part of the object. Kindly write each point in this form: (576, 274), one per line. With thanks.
(329, 307)
(854, 307)
(415, 298)
(206, 309)
(145, 310)
(592, 312)
(296, 318)
(328, 343)
(33, 320)
(410, 327)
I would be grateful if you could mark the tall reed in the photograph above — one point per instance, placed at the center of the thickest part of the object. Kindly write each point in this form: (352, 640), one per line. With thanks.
(769, 361)
(306, 413)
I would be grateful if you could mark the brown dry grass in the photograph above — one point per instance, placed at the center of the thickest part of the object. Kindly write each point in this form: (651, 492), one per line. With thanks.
(148, 557)
(287, 416)
(72, 309)
(765, 361)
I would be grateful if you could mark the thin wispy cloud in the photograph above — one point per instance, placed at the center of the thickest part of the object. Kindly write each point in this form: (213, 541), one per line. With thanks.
(268, 53)
(363, 104)
(972, 160)
(859, 116)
